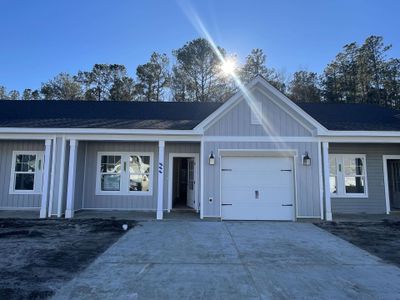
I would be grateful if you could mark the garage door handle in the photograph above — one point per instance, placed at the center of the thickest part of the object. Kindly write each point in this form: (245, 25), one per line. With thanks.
(287, 204)
(226, 204)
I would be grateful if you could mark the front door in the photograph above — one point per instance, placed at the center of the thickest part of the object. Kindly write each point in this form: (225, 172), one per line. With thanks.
(191, 183)
(394, 183)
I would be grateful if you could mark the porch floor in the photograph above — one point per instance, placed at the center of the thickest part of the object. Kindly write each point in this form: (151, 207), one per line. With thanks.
(190, 215)
(135, 215)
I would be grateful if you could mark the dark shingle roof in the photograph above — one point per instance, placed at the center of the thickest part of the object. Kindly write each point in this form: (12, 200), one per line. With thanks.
(104, 114)
(339, 116)
(175, 115)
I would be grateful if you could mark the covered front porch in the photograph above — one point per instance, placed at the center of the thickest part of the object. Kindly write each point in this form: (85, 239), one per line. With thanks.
(361, 177)
(138, 177)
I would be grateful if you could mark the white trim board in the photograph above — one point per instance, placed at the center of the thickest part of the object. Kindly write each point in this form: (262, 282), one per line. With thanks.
(385, 158)
(171, 157)
(266, 139)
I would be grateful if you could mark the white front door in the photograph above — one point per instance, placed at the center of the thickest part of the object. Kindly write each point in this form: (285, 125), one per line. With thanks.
(257, 188)
(191, 183)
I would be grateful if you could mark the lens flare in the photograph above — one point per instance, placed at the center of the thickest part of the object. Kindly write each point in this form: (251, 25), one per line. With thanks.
(228, 67)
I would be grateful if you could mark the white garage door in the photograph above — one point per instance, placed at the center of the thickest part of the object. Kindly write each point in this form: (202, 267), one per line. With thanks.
(257, 188)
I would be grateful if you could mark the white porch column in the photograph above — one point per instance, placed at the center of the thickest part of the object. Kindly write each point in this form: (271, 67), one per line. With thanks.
(327, 193)
(160, 190)
(69, 212)
(46, 179)
(202, 179)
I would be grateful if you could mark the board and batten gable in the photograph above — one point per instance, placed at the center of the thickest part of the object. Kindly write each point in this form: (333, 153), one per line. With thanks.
(237, 121)
(16, 201)
(283, 122)
(375, 202)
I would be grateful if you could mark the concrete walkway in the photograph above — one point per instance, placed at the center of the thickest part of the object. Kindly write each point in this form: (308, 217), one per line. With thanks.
(233, 260)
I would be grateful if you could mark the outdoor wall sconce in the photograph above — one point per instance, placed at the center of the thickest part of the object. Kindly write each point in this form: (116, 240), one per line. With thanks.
(306, 160)
(211, 159)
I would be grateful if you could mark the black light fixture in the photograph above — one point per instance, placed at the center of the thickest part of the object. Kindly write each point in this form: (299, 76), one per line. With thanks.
(211, 159)
(306, 160)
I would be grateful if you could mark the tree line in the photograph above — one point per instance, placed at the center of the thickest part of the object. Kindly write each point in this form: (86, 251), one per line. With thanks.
(358, 74)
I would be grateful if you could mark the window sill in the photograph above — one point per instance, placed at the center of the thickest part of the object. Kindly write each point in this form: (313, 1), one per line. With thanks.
(99, 193)
(361, 196)
(24, 193)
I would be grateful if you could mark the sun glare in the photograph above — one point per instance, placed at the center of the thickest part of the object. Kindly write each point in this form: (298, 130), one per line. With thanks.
(228, 67)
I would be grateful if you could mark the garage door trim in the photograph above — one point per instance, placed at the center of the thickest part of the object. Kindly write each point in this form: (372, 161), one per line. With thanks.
(291, 153)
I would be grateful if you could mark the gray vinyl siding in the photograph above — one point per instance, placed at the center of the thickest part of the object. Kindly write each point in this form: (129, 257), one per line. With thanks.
(80, 175)
(123, 202)
(307, 177)
(177, 148)
(375, 202)
(237, 122)
(7, 200)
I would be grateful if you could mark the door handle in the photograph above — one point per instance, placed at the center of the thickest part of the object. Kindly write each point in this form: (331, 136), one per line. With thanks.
(257, 194)
(226, 204)
(287, 204)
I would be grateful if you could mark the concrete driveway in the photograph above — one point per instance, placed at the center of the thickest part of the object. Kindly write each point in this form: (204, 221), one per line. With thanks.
(233, 260)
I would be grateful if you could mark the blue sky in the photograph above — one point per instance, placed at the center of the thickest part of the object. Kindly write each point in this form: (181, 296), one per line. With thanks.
(41, 38)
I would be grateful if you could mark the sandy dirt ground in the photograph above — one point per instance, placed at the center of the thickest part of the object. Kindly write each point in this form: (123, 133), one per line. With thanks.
(380, 238)
(37, 257)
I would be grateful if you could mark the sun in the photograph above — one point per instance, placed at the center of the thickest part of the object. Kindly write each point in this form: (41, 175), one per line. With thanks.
(228, 67)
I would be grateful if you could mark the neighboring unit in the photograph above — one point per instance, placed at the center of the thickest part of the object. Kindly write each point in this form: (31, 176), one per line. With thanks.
(258, 156)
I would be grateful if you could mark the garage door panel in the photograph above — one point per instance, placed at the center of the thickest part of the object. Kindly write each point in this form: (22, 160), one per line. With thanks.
(244, 195)
(271, 178)
(259, 212)
(258, 188)
(254, 163)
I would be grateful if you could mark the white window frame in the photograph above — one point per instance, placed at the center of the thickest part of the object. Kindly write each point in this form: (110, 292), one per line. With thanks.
(254, 118)
(124, 175)
(340, 175)
(38, 174)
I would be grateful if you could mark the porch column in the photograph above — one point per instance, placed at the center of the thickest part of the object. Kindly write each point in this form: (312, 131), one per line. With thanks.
(160, 190)
(46, 179)
(69, 212)
(327, 193)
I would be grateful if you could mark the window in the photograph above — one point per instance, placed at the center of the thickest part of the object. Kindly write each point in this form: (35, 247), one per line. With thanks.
(26, 172)
(125, 173)
(255, 116)
(139, 173)
(110, 170)
(348, 176)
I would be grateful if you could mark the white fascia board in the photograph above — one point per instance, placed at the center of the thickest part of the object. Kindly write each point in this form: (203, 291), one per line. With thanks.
(353, 133)
(96, 131)
(270, 139)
